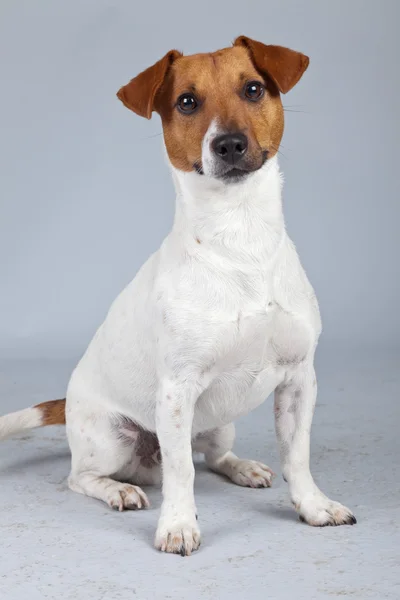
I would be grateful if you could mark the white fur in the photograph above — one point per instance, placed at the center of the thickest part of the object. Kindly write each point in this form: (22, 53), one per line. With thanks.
(221, 316)
(19, 421)
(213, 323)
(207, 156)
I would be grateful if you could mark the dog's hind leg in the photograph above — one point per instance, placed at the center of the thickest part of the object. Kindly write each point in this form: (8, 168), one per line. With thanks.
(216, 445)
(104, 459)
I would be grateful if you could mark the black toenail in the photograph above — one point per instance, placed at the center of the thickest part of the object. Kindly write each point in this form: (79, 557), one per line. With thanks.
(182, 551)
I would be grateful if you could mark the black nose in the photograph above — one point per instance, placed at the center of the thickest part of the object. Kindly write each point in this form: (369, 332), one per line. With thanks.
(230, 147)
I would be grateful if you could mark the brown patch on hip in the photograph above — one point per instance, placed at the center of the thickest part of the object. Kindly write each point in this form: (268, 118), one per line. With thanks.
(53, 412)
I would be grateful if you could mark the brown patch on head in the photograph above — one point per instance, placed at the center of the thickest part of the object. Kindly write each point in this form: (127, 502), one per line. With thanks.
(53, 412)
(219, 79)
(217, 82)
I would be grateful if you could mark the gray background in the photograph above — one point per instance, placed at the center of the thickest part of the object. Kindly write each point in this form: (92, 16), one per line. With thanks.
(86, 196)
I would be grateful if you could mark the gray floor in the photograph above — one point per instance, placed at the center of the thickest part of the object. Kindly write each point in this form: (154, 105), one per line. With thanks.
(57, 544)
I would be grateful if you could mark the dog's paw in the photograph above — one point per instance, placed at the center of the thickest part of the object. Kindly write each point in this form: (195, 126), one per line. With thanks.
(123, 496)
(179, 536)
(319, 511)
(251, 473)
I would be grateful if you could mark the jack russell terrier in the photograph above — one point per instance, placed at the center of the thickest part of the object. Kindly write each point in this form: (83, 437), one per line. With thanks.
(215, 321)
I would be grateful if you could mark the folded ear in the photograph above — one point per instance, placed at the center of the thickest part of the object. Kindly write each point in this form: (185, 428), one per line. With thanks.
(284, 66)
(139, 94)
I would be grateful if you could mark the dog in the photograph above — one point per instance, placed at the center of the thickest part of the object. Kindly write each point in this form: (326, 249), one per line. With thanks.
(221, 316)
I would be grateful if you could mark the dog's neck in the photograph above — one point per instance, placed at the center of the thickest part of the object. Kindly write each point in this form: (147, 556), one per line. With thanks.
(241, 219)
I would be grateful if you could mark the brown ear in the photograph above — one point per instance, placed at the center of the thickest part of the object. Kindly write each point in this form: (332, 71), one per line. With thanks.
(140, 92)
(285, 67)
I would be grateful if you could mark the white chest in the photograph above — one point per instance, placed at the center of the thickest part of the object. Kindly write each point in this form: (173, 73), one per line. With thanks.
(224, 305)
(264, 347)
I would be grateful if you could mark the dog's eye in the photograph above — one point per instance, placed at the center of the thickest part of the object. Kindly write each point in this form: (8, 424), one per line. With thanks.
(254, 90)
(187, 103)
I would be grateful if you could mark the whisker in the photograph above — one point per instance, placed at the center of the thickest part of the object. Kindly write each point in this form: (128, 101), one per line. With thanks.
(198, 168)
(278, 151)
(306, 112)
(151, 136)
(285, 147)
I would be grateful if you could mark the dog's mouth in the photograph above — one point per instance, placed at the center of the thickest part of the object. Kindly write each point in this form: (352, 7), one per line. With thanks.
(235, 173)
(198, 168)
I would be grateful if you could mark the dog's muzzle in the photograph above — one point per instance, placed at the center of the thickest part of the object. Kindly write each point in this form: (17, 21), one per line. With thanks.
(232, 158)
(230, 148)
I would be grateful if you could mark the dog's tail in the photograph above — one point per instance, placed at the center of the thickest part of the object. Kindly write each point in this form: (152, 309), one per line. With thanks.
(46, 413)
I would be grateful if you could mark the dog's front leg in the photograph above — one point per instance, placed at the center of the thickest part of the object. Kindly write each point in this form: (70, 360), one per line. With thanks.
(294, 409)
(177, 530)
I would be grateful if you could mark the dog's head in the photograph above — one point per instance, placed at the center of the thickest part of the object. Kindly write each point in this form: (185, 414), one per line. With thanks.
(222, 113)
